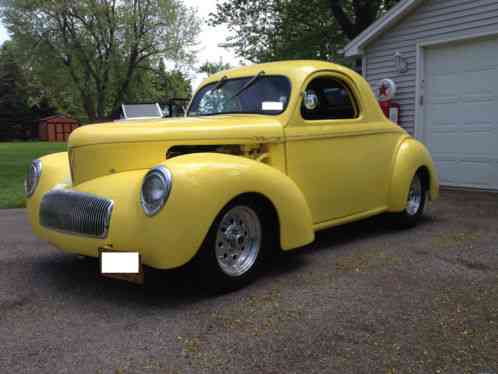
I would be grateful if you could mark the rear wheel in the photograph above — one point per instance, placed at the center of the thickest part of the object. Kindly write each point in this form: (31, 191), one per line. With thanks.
(415, 204)
(235, 246)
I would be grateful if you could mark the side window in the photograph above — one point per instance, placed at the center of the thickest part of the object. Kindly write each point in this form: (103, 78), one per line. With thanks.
(328, 98)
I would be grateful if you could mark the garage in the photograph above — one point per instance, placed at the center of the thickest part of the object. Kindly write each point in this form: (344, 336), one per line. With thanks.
(443, 57)
(461, 111)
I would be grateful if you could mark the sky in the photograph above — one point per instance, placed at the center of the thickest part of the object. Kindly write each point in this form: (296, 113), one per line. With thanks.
(209, 39)
(3, 34)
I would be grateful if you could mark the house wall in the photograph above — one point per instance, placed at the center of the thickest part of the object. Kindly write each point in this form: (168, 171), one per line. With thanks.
(432, 20)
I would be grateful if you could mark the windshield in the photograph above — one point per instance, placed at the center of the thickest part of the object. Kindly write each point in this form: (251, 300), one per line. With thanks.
(260, 94)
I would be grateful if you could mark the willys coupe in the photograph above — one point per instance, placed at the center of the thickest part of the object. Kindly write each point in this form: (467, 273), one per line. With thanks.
(266, 156)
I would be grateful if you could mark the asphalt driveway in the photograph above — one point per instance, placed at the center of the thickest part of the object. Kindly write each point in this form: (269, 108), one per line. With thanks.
(363, 298)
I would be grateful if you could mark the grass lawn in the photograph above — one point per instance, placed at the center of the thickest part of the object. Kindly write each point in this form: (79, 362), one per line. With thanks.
(14, 161)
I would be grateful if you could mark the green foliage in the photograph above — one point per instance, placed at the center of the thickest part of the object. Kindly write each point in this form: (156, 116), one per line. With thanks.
(14, 161)
(91, 55)
(172, 84)
(48, 84)
(15, 112)
(159, 85)
(211, 68)
(269, 30)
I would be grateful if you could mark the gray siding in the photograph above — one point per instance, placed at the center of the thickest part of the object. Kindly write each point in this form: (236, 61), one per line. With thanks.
(433, 19)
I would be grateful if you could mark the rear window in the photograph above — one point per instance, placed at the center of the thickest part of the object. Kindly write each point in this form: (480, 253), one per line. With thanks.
(335, 100)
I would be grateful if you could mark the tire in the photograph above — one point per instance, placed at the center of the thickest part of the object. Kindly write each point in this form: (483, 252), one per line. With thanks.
(415, 204)
(237, 244)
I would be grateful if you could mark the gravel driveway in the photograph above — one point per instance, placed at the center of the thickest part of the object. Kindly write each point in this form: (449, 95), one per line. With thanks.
(363, 298)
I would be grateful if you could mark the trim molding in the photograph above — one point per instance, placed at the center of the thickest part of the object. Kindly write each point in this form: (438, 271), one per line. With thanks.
(353, 217)
(355, 47)
(333, 134)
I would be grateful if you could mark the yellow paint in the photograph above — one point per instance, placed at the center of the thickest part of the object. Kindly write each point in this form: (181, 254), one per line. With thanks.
(316, 174)
(411, 155)
(98, 149)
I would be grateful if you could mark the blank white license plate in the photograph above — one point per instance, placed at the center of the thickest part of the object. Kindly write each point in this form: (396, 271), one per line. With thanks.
(119, 263)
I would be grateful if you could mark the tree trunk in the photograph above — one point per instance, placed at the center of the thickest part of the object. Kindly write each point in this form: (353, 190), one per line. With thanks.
(364, 14)
(123, 91)
(89, 108)
(342, 18)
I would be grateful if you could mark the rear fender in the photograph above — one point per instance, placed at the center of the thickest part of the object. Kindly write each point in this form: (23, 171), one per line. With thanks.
(410, 158)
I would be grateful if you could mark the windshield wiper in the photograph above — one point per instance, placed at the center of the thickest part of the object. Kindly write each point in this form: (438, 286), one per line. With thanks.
(248, 84)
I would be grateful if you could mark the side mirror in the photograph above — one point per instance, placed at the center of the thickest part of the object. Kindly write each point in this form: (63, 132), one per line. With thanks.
(310, 100)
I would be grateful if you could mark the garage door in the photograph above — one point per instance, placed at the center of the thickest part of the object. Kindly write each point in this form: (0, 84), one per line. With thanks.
(461, 112)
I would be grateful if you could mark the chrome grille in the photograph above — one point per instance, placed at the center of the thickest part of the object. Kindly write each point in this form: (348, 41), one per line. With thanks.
(76, 212)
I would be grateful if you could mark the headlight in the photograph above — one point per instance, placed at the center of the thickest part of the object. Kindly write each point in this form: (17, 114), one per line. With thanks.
(32, 178)
(155, 190)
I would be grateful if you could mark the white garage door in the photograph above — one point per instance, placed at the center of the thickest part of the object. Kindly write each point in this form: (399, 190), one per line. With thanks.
(461, 112)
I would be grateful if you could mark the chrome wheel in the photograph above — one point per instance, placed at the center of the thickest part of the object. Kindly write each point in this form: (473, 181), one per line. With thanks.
(238, 240)
(415, 196)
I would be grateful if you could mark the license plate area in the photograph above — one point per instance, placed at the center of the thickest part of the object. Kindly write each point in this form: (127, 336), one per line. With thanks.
(123, 265)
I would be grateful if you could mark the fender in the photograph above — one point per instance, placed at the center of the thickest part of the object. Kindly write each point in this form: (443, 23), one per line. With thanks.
(55, 170)
(411, 156)
(205, 182)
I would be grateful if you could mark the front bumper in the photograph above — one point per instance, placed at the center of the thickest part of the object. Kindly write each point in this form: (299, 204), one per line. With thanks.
(168, 240)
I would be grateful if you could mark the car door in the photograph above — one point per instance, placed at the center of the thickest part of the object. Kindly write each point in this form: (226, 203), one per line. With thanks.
(339, 159)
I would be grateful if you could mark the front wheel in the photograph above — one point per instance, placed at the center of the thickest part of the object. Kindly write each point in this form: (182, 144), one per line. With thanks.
(415, 204)
(233, 250)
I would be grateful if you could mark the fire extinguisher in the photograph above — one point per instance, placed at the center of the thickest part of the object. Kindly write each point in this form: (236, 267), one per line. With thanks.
(391, 109)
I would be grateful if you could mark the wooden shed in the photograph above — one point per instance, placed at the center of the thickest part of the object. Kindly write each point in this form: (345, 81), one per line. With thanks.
(56, 128)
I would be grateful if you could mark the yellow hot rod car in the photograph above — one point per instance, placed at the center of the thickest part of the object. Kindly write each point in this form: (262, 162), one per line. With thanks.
(266, 156)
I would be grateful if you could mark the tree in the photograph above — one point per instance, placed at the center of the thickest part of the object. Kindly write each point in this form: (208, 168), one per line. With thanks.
(157, 84)
(354, 16)
(99, 46)
(43, 108)
(172, 84)
(46, 84)
(211, 68)
(266, 30)
(15, 112)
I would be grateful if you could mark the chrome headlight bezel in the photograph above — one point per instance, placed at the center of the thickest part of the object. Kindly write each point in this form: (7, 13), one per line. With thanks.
(32, 178)
(151, 208)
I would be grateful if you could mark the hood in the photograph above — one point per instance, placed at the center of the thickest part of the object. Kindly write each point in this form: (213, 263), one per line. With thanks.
(103, 149)
(224, 128)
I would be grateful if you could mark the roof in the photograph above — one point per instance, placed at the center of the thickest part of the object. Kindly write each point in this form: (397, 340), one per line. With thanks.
(140, 111)
(295, 70)
(355, 47)
(59, 118)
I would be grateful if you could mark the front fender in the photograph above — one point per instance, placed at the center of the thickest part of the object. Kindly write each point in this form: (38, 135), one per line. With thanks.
(55, 170)
(204, 183)
(411, 156)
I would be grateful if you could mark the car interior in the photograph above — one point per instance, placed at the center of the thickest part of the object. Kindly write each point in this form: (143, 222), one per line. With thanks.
(334, 100)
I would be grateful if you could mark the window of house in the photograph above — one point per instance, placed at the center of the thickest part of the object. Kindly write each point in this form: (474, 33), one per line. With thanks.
(328, 99)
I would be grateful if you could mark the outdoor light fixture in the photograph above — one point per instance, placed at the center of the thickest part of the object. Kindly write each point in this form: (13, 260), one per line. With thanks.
(400, 62)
